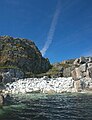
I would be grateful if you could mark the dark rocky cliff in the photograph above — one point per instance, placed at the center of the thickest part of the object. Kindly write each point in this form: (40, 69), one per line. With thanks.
(21, 55)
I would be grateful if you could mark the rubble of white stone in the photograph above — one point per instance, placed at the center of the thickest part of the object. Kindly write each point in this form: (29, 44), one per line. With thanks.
(47, 85)
(41, 85)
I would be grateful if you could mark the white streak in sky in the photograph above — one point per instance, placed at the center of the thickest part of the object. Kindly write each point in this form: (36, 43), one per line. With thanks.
(52, 28)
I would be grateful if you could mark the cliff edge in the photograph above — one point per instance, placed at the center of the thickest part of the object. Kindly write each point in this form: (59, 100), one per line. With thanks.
(20, 57)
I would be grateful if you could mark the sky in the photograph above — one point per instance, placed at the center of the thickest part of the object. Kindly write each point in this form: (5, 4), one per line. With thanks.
(60, 28)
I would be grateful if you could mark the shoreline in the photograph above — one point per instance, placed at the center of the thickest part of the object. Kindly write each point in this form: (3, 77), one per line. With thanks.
(49, 85)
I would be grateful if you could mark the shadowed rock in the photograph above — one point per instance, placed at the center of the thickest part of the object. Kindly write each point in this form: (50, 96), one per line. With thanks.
(1, 101)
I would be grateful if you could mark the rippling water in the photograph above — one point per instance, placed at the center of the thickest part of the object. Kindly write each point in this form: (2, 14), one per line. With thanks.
(49, 107)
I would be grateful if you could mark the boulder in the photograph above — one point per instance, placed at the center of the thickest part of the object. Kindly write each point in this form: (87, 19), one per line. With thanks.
(89, 71)
(16, 73)
(76, 74)
(11, 75)
(6, 77)
(89, 65)
(76, 62)
(73, 74)
(82, 60)
(77, 85)
(67, 72)
(90, 59)
(90, 86)
(83, 67)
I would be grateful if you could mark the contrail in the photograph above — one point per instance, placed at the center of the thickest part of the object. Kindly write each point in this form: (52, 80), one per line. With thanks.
(52, 28)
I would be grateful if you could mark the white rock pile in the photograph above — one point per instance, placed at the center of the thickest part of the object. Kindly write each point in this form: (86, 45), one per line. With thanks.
(44, 85)
(48, 85)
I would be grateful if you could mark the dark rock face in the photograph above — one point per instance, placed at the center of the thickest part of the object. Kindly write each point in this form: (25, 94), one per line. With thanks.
(1, 101)
(1, 78)
(21, 55)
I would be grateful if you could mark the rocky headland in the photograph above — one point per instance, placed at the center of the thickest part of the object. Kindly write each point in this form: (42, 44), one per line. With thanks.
(24, 70)
(20, 58)
(76, 76)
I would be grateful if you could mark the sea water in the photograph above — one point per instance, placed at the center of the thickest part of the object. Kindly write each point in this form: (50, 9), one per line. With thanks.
(48, 107)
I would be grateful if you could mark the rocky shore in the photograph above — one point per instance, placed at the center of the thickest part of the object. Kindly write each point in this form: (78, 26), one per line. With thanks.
(49, 85)
(78, 79)
(24, 70)
(45, 85)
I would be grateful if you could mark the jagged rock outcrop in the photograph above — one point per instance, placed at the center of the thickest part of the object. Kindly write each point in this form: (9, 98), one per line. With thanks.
(76, 68)
(20, 57)
(62, 69)
(79, 69)
(84, 69)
